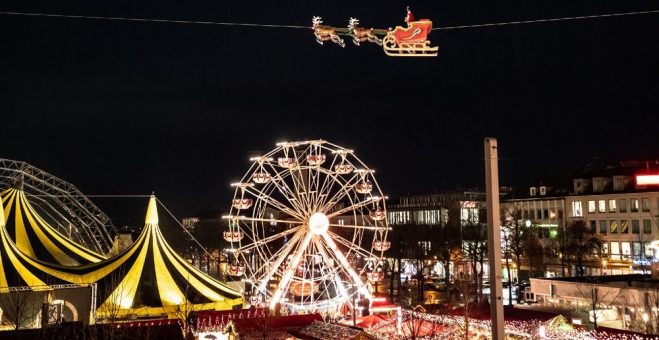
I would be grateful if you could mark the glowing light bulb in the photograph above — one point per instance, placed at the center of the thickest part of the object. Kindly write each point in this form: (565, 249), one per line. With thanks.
(318, 223)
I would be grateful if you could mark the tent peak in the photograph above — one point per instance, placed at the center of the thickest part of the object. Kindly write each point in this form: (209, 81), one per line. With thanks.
(152, 212)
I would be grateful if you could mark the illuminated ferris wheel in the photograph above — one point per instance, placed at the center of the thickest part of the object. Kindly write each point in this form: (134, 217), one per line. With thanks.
(307, 227)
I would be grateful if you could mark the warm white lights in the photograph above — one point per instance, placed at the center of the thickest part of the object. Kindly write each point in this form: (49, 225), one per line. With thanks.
(318, 223)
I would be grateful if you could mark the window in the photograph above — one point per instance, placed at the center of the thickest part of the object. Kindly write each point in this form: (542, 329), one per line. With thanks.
(613, 227)
(612, 206)
(603, 228)
(545, 213)
(647, 227)
(532, 191)
(605, 248)
(525, 214)
(576, 209)
(560, 214)
(624, 227)
(602, 206)
(593, 226)
(538, 214)
(645, 204)
(636, 250)
(625, 248)
(615, 250)
(623, 205)
(633, 205)
(552, 214)
(636, 227)
(591, 206)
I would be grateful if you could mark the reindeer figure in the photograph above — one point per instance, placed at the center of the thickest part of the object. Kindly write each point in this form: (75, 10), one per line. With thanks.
(360, 34)
(325, 33)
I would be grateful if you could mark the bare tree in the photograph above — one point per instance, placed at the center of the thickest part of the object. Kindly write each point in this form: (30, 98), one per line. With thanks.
(475, 246)
(467, 290)
(22, 306)
(516, 229)
(597, 297)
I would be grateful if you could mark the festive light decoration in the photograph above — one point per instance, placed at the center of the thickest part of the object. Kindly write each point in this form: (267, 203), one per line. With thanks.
(305, 239)
(409, 41)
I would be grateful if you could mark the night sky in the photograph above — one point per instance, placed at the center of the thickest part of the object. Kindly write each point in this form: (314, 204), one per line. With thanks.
(130, 108)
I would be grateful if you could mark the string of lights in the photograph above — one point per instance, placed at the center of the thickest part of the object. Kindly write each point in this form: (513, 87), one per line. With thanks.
(239, 24)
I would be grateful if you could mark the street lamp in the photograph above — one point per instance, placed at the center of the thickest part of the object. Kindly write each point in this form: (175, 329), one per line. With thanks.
(527, 223)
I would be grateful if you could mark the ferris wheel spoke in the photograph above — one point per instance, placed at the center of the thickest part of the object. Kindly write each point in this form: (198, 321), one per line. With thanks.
(352, 226)
(290, 270)
(257, 243)
(347, 243)
(338, 284)
(268, 220)
(279, 182)
(346, 187)
(321, 190)
(355, 206)
(265, 267)
(279, 259)
(346, 265)
(273, 202)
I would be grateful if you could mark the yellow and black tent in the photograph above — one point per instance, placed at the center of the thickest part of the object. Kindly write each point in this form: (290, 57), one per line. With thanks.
(148, 278)
(38, 239)
(16, 269)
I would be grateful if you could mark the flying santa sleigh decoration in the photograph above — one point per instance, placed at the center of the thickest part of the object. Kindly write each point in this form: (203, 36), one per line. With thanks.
(410, 41)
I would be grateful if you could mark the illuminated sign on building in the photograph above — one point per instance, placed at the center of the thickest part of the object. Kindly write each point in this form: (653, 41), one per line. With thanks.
(647, 179)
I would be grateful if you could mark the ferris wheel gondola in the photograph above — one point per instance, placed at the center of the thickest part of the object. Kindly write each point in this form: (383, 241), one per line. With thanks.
(308, 230)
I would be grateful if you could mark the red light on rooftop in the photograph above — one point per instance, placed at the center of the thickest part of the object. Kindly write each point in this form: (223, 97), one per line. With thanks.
(647, 179)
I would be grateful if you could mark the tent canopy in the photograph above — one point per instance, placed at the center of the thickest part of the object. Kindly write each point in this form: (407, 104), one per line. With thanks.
(149, 277)
(37, 238)
(15, 269)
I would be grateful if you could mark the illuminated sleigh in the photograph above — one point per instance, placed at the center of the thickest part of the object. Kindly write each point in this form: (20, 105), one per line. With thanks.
(411, 41)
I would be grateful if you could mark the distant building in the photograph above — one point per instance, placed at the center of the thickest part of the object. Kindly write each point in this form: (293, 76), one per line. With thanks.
(457, 207)
(608, 200)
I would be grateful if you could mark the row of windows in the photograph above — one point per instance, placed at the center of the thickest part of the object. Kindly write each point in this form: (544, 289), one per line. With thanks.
(612, 206)
(626, 250)
(429, 217)
(622, 227)
(601, 205)
(542, 214)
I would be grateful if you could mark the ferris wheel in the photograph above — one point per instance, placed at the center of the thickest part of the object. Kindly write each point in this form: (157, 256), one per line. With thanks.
(307, 227)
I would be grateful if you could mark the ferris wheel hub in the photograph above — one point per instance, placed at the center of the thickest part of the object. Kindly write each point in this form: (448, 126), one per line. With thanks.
(318, 223)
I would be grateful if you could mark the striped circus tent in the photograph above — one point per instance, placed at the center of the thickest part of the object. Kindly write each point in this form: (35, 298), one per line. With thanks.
(148, 278)
(15, 267)
(38, 239)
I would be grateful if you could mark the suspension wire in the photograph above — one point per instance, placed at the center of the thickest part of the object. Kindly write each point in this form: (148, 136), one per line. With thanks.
(187, 232)
(582, 17)
(197, 22)
(194, 22)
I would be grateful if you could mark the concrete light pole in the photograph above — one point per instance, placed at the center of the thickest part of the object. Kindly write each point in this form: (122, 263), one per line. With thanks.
(494, 237)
